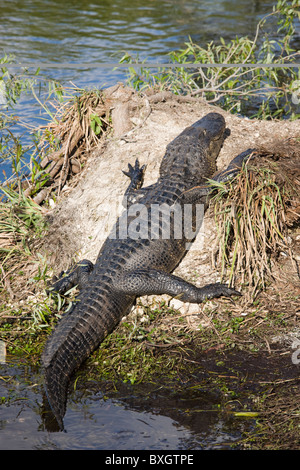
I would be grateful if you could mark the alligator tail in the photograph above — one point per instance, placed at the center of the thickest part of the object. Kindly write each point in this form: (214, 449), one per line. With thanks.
(73, 340)
(56, 384)
(76, 336)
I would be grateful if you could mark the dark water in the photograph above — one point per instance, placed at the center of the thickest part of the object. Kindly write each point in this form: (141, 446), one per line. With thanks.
(192, 412)
(141, 417)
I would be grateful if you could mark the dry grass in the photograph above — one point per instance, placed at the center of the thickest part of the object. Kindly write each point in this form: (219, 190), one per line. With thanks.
(78, 126)
(253, 215)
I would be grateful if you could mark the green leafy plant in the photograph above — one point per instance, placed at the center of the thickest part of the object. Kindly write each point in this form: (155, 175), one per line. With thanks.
(96, 123)
(236, 88)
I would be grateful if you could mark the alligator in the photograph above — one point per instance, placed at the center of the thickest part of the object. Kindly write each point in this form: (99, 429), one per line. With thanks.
(130, 265)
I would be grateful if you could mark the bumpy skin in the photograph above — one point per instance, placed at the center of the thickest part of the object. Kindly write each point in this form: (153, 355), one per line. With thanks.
(126, 267)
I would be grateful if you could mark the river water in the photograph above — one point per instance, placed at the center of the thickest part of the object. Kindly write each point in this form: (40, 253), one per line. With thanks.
(81, 41)
(87, 32)
(74, 36)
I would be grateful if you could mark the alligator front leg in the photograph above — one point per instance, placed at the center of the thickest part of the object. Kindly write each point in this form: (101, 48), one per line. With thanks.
(77, 275)
(134, 191)
(152, 282)
(233, 168)
(198, 194)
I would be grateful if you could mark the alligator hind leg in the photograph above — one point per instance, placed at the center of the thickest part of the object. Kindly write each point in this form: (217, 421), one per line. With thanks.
(152, 282)
(76, 275)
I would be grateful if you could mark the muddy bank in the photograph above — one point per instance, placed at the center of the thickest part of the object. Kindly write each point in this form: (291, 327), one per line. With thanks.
(232, 339)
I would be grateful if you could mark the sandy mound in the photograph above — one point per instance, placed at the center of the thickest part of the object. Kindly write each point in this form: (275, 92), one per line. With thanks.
(143, 126)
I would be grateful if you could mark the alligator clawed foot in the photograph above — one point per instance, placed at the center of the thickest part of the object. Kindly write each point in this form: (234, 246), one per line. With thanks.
(224, 290)
(136, 174)
(77, 275)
